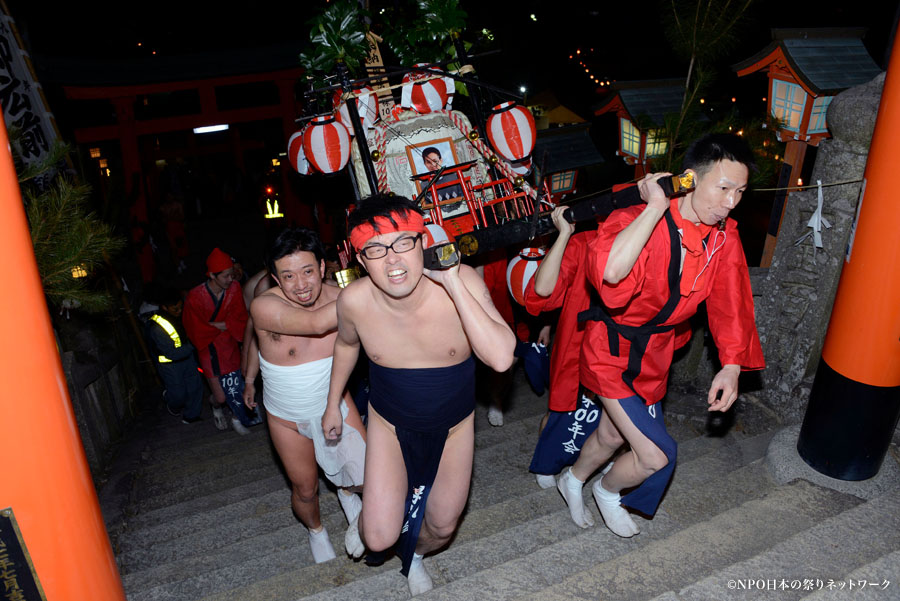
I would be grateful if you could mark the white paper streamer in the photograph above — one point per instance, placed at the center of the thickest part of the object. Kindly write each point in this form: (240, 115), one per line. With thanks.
(816, 222)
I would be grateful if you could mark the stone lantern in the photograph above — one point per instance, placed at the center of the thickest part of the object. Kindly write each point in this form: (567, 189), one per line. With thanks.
(806, 68)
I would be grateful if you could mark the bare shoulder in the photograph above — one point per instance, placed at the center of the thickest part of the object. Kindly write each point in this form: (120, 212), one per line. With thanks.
(471, 278)
(356, 296)
(272, 300)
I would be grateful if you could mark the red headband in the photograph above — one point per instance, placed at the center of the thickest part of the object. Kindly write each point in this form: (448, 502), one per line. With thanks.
(412, 221)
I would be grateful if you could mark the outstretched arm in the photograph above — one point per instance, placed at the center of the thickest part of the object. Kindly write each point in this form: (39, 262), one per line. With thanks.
(346, 352)
(275, 315)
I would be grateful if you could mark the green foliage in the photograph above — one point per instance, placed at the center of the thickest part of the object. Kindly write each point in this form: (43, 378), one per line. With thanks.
(338, 34)
(66, 236)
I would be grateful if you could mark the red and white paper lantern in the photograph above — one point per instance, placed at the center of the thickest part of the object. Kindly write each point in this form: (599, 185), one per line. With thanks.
(296, 156)
(434, 235)
(521, 167)
(366, 106)
(426, 96)
(326, 143)
(511, 130)
(520, 271)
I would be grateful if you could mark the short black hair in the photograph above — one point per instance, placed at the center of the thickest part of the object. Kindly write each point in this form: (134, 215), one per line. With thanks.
(169, 296)
(291, 240)
(708, 150)
(431, 150)
(380, 205)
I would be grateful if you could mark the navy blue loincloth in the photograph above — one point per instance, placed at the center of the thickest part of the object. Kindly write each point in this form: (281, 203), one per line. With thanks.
(649, 420)
(422, 404)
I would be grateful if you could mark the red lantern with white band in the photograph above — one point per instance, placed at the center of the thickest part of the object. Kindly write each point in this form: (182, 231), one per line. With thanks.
(434, 234)
(511, 130)
(426, 96)
(326, 143)
(296, 156)
(520, 271)
(366, 106)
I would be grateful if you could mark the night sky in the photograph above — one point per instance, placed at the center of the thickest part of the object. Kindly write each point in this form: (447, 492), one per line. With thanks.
(626, 37)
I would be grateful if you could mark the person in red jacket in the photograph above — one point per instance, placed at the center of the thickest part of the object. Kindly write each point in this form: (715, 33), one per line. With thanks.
(650, 267)
(215, 318)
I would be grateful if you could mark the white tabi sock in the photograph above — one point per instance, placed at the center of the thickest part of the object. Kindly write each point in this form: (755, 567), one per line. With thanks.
(418, 579)
(570, 488)
(352, 542)
(616, 517)
(545, 480)
(350, 503)
(321, 545)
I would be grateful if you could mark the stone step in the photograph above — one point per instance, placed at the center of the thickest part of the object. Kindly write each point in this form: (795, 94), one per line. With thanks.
(688, 555)
(510, 529)
(829, 550)
(498, 470)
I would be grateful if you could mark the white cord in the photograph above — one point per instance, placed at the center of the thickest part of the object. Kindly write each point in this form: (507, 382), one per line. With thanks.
(709, 255)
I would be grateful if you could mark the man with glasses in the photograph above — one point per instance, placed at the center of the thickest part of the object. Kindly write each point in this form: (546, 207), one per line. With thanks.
(419, 334)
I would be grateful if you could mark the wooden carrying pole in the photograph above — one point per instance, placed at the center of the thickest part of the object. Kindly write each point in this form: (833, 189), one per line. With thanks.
(46, 484)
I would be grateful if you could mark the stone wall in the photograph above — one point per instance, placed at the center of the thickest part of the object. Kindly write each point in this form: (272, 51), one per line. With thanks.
(794, 300)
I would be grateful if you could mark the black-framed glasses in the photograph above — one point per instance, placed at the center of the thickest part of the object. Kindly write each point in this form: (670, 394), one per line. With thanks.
(400, 245)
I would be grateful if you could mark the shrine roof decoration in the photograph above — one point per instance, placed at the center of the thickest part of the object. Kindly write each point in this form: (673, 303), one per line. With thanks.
(824, 61)
(806, 68)
(644, 98)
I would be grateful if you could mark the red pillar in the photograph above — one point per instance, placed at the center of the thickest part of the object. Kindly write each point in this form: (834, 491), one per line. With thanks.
(46, 481)
(855, 401)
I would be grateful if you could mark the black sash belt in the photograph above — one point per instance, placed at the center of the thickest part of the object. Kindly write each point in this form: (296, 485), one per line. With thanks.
(639, 336)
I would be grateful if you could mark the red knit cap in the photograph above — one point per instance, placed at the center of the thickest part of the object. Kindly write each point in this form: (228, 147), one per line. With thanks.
(218, 261)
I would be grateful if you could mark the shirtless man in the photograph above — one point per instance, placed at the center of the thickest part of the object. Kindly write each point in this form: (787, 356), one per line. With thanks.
(419, 334)
(295, 359)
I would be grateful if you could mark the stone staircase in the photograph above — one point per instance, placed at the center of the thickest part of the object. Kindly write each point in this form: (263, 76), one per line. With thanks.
(200, 515)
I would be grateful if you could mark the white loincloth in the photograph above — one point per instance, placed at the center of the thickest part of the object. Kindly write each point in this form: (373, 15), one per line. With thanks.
(299, 394)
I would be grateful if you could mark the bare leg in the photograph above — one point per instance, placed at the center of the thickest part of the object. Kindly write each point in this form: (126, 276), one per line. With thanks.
(446, 501)
(385, 481)
(630, 469)
(299, 458)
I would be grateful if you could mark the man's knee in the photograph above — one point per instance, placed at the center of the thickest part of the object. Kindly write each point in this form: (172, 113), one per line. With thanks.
(609, 437)
(306, 492)
(652, 461)
(441, 527)
(378, 536)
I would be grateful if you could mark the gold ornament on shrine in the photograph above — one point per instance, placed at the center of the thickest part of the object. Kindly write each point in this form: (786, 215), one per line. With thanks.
(376, 155)
(519, 181)
(493, 159)
(473, 135)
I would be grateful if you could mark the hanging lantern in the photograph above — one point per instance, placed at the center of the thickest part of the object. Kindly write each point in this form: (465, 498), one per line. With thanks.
(520, 271)
(326, 144)
(296, 155)
(366, 106)
(521, 168)
(511, 130)
(435, 234)
(426, 96)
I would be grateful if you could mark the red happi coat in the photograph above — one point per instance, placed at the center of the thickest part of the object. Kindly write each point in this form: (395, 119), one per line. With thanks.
(217, 350)
(724, 285)
(572, 294)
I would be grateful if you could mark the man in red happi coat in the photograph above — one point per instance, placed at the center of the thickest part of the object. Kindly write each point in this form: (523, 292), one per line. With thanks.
(650, 267)
(215, 318)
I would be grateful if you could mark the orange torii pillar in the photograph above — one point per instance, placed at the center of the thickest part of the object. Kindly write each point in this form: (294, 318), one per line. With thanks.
(855, 400)
(50, 519)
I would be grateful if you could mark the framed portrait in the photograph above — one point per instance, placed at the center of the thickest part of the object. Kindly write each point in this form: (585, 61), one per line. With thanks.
(431, 156)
